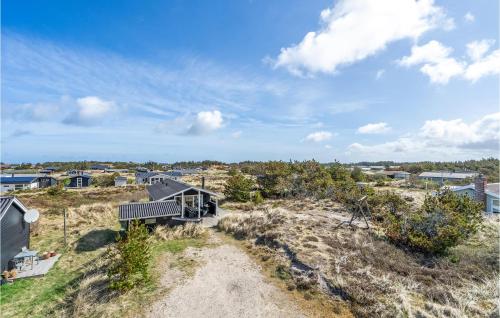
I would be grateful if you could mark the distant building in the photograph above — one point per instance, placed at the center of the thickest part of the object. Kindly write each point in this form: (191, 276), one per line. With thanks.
(15, 231)
(442, 176)
(75, 172)
(397, 174)
(156, 176)
(99, 167)
(116, 170)
(120, 181)
(18, 183)
(142, 169)
(80, 181)
(488, 193)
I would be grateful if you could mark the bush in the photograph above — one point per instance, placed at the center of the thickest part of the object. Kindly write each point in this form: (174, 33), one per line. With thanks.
(257, 198)
(443, 221)
(56, 190)
(107, 180)
(131, 260)
(238, 188)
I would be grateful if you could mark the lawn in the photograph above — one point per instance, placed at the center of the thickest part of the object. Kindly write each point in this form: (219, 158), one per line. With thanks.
(77, 284)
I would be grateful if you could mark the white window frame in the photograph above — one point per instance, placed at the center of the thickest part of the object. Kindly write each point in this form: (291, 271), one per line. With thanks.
(79, 182)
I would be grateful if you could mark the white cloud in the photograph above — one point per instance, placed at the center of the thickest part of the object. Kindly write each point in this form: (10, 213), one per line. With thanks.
(355, 29)
(319, 136)
(469, 17)
(442, 137)
(440, 67)
(205, 123)
(483, 132)
(376, 128)
(477, 49)
(91, 110)
(236, 134)
(328, 147)
(379, 74)
(489, 65)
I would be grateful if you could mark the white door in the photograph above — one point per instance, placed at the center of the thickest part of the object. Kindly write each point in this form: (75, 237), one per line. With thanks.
(78, 182)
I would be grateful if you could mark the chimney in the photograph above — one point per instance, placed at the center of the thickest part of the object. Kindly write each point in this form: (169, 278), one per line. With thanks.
(203, 182)
(12, 175)
(480, 186)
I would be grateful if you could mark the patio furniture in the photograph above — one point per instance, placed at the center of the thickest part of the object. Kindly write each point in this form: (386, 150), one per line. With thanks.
(26, 254)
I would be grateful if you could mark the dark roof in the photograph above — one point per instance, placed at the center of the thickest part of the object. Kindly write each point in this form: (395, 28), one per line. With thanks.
(17, 180)
(121, 178)
(7, 201)
(166, 188)
(50, 168)
(81, 175)
(99, 167)
(148, 210)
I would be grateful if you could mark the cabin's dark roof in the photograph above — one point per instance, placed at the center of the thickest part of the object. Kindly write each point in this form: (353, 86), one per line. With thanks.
(144, 175)
(7, 201)
(147, 210)
(51, 168)
(166, 188)
(99, 167)
(81, 176)
(17, 180)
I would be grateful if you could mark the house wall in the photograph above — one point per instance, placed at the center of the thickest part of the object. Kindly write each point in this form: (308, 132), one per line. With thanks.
(14, 234)
(12, 187)
(492, 204)
(120, 183)
(85, 182)
(468, 192)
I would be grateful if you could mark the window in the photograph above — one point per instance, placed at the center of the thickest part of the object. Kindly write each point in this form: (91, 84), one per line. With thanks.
(495, 202)
(79, 182)
(18, 187)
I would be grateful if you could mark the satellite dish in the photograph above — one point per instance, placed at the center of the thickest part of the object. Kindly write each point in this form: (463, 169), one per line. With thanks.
(31, 216)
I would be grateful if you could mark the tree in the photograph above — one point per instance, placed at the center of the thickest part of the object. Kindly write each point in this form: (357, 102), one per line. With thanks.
(131, 258)
(357, 175)
(238, 188)
(443, 221)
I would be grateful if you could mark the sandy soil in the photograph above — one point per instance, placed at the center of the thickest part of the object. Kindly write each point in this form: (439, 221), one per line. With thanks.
(228, 284)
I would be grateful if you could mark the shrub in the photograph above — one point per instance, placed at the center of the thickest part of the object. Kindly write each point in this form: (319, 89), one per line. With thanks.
(238, 188)
(56, 190)
(257, 198)
(443, 221)
(107, 180)
(131, 261)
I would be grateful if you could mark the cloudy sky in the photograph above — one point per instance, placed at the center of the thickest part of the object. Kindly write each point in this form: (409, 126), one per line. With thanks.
(250, 80)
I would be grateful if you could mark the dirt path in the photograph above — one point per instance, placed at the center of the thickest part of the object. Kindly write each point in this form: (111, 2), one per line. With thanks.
(227, 284)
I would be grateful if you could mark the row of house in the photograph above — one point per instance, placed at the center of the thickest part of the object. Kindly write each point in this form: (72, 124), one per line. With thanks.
(25, 182)
(29, 182)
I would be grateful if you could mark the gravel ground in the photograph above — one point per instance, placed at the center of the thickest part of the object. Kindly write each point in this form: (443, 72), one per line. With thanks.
(228, 284)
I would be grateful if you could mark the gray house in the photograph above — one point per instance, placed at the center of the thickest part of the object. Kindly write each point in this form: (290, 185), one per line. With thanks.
(171, 202)
(487, 193)
(14, 231)
(153, 177)
(443, 176)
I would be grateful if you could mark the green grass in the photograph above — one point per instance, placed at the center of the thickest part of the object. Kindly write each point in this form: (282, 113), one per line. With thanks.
(40, 297)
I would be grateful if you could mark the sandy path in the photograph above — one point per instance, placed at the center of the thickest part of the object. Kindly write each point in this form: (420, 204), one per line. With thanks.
(228, 284)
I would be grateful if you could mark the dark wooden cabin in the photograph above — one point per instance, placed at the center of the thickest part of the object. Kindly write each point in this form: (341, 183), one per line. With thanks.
(80, 181)
(14, 231)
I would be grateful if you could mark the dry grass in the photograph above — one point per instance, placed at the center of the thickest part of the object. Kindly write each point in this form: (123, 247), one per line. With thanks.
(374, 277)
(189, 230)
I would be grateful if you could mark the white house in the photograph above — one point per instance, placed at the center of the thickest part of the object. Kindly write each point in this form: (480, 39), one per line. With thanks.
(18, 183)
(120, 181)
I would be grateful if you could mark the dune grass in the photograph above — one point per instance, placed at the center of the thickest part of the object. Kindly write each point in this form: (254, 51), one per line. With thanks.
(78, 284)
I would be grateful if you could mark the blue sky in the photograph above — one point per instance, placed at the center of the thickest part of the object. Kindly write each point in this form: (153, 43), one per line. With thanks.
(250, 80)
